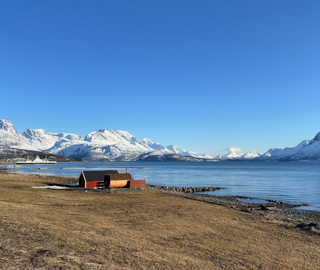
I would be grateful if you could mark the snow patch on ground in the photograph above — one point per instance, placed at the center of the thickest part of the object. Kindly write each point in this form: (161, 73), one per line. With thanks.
(51, 187)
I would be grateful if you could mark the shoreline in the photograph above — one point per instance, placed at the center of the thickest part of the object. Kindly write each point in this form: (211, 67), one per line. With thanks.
(287, 190)
(280, 210)
(283, 211)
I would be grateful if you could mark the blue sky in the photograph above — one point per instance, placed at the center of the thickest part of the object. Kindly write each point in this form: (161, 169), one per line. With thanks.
(202, 75)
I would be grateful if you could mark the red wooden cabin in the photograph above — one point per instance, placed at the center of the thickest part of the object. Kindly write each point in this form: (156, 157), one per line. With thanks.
(89, 179)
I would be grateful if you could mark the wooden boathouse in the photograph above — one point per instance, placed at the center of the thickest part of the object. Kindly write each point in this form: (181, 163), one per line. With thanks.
(89, 179)
(109, 179)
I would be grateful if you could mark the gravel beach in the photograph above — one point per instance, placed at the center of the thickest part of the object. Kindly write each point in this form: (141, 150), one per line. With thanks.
(285, 212)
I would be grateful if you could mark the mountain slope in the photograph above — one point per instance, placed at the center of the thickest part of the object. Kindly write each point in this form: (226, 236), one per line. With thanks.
(306, 150)
(9, 137)
(42, 140)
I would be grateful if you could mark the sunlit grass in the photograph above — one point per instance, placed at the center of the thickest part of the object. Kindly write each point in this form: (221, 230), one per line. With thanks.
(52, 229)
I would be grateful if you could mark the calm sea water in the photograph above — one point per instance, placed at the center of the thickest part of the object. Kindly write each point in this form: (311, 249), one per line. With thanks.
(290, 182)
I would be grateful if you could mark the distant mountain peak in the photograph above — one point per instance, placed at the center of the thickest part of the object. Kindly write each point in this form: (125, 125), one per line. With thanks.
(147, 140)
(103, 130)
(9, 137)
(317, 137)
(7, 126)
(235, 153)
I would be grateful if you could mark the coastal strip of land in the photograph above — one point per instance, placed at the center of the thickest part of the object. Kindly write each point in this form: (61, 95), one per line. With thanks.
(145, 229)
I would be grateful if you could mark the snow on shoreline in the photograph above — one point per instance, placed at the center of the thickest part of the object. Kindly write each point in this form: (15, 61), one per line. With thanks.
(50, 187)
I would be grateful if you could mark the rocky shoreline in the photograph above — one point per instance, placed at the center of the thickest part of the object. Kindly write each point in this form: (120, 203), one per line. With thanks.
(303, 219)
(184, 189)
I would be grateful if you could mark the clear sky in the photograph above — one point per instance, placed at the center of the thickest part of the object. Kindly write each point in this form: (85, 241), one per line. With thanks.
(203, 75)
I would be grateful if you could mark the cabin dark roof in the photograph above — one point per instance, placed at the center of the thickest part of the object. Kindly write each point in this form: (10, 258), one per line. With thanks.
(97, 175)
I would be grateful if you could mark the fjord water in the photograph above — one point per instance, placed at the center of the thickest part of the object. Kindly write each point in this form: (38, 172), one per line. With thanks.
(290, 182)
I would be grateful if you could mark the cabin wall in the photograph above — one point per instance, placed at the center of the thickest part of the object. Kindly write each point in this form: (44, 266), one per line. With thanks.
(138, 183)
(92, 184)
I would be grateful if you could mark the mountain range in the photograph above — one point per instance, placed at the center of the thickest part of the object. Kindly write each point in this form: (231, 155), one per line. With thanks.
(101, 145)
(117, 145)
(307, 150)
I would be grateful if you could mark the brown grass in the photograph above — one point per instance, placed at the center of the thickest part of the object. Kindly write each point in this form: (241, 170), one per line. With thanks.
(58, 229)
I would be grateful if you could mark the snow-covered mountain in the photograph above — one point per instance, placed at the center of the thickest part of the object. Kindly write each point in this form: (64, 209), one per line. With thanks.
(108, 145)
(117, 145)
(251, 155)
(306, 150)
(42, 140)
(184, 152)
(101, 145)
(235, 153)
(9, 137)
(153, 145)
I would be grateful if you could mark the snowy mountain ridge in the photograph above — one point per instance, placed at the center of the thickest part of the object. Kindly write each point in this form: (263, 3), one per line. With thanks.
(101, 145)
(307, 150)
(9, 137)
(235, 153)
(117, 145)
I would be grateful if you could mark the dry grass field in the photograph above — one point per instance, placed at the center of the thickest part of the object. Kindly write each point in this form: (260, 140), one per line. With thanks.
(59, 229)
